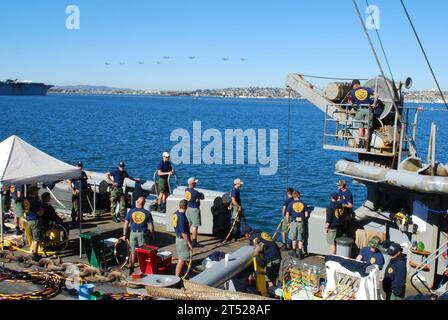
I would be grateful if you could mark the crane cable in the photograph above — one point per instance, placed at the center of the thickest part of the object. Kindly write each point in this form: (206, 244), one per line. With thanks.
(424, 53)
(381, 42)
(376, 58)
(288, 150)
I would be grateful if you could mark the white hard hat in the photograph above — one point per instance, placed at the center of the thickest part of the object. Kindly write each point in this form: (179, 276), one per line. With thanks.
(238, 181)
(166, 155)
(192, 180)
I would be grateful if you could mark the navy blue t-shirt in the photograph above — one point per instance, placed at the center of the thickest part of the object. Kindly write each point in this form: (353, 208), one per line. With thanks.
(287, 202)
(165, 166)
(345, 197)
(334, 215)
(372, 257)
(297, 209)
(139, 219)
(271, 251)
(31, 207)
(14, 190)
(193, 196)
(182, 224)
(235, 193)
(83, 179)
(362, 96)
(119, 177)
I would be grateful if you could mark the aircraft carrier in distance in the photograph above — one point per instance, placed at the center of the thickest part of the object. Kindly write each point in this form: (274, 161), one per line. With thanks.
(23, 88)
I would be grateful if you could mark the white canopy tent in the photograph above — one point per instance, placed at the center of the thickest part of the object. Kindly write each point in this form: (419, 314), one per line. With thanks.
(21, 163)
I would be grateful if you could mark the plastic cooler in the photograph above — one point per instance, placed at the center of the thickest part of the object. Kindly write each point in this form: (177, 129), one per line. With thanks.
(151, 261)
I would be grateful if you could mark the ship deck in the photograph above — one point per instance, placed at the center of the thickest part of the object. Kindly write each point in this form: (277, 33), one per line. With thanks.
(164, 240)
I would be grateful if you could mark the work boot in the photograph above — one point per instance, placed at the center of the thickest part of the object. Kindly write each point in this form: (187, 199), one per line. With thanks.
(115, 219)
(131, 271)
(293, 254)
(196, 244)
(284, 247)
(18, 231)
(36, 257)
(288, 247)
(300, 254)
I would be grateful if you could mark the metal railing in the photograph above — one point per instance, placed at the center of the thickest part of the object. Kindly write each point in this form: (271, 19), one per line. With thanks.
(344, 124)
(422, 266)
(344, 118)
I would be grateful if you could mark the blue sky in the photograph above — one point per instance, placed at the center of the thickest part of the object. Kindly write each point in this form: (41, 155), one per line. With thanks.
(320, 37)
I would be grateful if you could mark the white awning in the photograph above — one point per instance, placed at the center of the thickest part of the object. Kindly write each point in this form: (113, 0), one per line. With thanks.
(21, 163)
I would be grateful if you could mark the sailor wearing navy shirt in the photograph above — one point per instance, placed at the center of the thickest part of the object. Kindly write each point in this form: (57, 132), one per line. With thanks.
(372, 254)
(116, 179)
(334, 221)
(164, 171)
(193, 211)
(34, 211)
(394, 283)
(237, 209)
(141, 223)
(17, 192)
(270, 252)
(346, 200)
(364, 98)
(75, 187)
(297, 213)
(285, 221)
(183, 240)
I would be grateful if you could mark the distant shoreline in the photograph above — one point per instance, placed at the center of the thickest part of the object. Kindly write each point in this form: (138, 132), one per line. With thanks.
(204, 96)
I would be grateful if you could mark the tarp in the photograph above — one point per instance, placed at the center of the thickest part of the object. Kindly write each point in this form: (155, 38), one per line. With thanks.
(21, 163)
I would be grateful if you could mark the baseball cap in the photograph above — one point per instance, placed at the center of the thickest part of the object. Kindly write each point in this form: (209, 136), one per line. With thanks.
(191, 180)
(393, 249)
(166, 155)
(375, 242)
(121, 164)
(246, 230)
(335, 196)
(341, 183)
(238, 181)
(356, 81)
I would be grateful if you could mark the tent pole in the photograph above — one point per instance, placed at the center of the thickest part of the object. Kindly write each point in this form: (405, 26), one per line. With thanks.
(1, 216)
(80, 218)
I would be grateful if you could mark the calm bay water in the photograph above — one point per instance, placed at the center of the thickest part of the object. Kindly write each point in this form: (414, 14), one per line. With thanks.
(103, 130)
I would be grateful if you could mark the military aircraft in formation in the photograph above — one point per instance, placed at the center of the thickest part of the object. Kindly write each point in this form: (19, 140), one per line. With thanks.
(168, 57)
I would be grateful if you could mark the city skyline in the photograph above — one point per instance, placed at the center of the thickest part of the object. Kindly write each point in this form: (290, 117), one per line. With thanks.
(171, 45)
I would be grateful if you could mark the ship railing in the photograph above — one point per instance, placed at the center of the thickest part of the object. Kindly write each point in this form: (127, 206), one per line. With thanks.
(423, 266)
(340, 130)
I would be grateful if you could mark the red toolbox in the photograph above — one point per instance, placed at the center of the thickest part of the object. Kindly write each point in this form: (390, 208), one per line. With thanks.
(151, 261)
